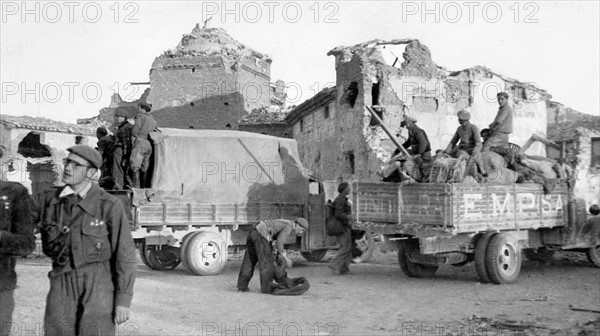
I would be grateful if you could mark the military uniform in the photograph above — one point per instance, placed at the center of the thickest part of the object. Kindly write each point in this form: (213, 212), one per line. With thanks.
(16, 239)
(142, 149)
(88, 237)
(121, 155)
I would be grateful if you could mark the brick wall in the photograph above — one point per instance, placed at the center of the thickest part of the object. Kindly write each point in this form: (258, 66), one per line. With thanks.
(278, 130)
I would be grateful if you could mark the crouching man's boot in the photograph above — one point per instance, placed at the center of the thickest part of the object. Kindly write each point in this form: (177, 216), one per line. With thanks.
(135, 179)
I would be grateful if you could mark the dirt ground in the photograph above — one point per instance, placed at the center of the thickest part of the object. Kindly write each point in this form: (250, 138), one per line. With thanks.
(375, 299)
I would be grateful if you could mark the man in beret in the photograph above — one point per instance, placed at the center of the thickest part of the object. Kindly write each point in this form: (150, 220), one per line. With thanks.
(143, 124)
(86, 233)
(259, 250)
(122, 147)
(16, 239)
(502, 125)
(470, 141)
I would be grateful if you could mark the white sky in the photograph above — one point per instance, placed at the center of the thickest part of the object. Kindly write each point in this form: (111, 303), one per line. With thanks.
(552, 44)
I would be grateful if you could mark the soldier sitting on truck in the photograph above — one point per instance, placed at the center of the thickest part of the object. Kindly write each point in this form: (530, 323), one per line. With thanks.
(470, 142)
(259, 250)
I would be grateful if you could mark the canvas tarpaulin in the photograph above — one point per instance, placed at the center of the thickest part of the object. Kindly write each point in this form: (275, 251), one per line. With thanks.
(215, 166)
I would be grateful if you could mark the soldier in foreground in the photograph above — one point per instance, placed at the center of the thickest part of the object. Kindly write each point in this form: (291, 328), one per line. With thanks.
(16, 239)
(86, 233)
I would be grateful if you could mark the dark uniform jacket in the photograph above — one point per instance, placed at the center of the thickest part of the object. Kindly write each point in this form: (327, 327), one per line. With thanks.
(16, 231)
(343, 210)
(124, 138)
(418, 142)
(98, 231)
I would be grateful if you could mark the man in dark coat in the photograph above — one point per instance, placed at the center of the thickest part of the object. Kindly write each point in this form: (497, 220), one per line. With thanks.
(105, 147)
(122, 147)
(343, 210)
(259, 250)
(86, 233)
(16, 239)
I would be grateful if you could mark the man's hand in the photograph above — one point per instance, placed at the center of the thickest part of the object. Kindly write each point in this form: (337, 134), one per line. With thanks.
(288, 261)
(121, 314)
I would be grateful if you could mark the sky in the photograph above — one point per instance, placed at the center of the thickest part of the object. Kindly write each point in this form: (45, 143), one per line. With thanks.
(64, 60)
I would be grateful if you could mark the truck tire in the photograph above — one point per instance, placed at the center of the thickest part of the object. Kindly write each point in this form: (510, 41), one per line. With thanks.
(367, 245)
(539, 254)
(314, 256)
(205, 253)
(412, 269)
(480, 253)
(165, 259)
(503, 259)
(593, 254)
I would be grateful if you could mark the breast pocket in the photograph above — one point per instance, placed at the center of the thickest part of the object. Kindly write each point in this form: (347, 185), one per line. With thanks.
(96, 245)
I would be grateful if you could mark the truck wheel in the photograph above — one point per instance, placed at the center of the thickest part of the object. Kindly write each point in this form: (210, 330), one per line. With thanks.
(539, 254)
(412, 269)
(204, 253)
(367, 245)
(480, 253)
(593, 254)
(503, 259)
(314, 256)
(167, 258)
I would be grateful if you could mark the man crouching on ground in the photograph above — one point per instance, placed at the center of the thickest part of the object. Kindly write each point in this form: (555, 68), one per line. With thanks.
(259, 249)
(86, 233)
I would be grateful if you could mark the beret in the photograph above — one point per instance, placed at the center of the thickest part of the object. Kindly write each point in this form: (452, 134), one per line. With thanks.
(464, 115)
(124, 111)
(410, 119)
(88, 153)
(303, 222)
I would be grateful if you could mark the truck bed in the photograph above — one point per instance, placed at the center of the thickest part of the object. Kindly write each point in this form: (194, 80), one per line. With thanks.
(428, 209)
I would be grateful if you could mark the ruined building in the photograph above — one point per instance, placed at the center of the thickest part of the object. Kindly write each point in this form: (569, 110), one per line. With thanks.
(36, 148)
(210, 81)
(338, 138)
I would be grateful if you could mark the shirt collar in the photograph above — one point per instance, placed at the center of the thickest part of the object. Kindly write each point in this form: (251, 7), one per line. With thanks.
(69, 191)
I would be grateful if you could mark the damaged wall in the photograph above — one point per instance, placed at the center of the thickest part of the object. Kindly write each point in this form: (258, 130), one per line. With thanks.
(371, 74)
(208, 71)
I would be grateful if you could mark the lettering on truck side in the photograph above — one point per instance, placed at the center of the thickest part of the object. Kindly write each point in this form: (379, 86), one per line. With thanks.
(504, 204)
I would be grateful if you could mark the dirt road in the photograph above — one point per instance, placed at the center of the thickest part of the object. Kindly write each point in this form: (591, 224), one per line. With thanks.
(375, 299)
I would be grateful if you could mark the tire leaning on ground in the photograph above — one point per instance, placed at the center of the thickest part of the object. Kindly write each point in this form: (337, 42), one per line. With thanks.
(314, 256)
(412, 269)
(367, 245)
(480, 253)
(204, 253)
(164, 259)
(503, 259)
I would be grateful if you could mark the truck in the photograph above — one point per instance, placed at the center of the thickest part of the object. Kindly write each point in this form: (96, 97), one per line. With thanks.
(494, 225)
(207, 189)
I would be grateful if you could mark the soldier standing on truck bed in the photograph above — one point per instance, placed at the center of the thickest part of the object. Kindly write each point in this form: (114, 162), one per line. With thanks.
(259, 250)
(86, 233)
(143, 124)
(122, 148)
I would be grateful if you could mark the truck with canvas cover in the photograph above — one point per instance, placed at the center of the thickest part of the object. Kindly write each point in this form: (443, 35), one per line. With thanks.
(209, 187)
(430, 224)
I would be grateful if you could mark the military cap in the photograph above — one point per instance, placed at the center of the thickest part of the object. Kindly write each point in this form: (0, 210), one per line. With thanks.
(464, 115)
(409, 119)
(122, 112)
(88, 153)
(303, 222)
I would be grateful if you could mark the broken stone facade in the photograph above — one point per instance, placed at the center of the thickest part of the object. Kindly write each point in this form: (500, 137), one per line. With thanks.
(399, 78)
(36, 148)
(209, 81)
(578, 135)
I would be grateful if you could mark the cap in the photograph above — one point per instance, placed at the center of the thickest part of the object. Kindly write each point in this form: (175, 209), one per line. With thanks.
(88, 153)
(146, 106)
(464, 115)
(303, 222)
(410, 119)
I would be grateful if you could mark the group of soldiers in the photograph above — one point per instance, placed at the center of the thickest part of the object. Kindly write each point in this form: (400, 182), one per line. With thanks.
(466, 142)
(126, 154)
